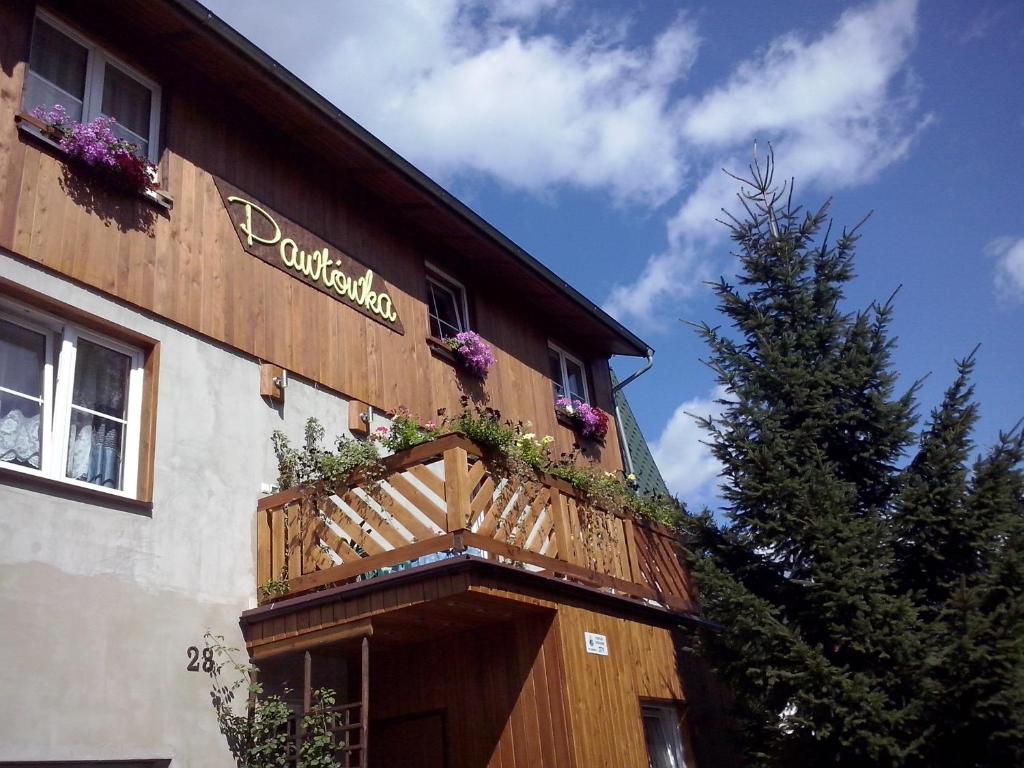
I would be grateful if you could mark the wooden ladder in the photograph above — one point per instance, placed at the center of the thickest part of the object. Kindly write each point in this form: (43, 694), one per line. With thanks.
(349, 723)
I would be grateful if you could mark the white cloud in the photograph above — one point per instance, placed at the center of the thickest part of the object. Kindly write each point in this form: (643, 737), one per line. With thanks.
(689, 468)
(837, 109)
(467, 87)
(1009, 271)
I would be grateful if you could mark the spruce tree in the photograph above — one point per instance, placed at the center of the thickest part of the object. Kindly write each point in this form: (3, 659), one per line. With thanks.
(977, 713)
(936, 535)
(819, 649)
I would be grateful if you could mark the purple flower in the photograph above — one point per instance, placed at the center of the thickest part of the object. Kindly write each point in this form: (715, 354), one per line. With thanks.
(592, 422)
(95, 144)
(473, 352)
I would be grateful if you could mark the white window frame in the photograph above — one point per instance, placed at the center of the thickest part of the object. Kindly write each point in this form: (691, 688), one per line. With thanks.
(446, 282)
(668, 714)
(58, 390)
(562, 357)
(95, 68)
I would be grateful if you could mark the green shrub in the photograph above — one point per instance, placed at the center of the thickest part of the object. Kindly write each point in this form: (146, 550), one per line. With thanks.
(313, 463)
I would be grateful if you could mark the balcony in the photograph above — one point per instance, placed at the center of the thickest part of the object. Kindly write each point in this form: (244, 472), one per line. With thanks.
(444, 499)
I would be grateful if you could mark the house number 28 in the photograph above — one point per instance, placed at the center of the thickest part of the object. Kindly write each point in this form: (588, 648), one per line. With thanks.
(193, 659)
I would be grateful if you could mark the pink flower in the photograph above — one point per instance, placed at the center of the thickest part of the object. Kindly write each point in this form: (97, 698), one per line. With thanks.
(592, 422)
(473, 352)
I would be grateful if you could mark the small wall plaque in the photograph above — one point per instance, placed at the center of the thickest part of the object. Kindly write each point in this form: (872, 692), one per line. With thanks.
(596, 644)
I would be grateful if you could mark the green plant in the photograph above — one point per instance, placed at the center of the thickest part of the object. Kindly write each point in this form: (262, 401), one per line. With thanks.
(319, 745)
(313, 463)
(485, 427)
(406, 431)
(274, 588)
(258, 736)
(516, 452)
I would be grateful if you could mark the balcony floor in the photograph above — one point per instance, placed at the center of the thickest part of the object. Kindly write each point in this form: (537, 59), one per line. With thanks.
(426, 603)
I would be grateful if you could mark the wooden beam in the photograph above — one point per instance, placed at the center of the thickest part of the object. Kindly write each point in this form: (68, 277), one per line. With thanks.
(306, 641)
(358, 418)
(456, 487)
(364, 711)
(351, 570)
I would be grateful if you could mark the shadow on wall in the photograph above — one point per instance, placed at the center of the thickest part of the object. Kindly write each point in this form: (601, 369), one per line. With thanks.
(423, 696)
(127, 212)
(713, 732)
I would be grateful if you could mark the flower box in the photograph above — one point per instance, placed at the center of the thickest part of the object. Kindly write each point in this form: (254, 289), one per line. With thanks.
(94, 146)
(587, 420)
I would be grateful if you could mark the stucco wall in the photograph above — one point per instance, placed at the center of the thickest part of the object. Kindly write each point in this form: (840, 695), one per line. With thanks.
(98, 605)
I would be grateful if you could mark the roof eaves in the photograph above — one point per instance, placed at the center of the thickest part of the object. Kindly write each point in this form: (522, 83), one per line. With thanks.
(273, 68)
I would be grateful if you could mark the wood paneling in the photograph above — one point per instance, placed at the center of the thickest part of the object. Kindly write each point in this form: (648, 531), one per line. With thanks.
(188, 266)
(506, 662)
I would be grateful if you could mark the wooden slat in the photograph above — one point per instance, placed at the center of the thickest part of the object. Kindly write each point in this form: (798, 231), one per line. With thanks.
(423, 473)
(416, 497)
(263, 548)
(635, 574)
(375, 520)
(359, 535)
(350, 570)
(476, 473)
(456, 488)
(277, 538)
(393, 507)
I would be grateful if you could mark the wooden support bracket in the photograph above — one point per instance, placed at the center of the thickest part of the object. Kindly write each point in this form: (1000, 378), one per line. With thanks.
(268, 386)
(358, 418)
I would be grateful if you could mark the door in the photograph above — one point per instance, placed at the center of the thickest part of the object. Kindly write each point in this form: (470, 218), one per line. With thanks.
(409, 741)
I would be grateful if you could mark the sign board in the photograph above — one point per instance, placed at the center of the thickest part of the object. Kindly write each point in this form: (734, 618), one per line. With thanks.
(282, 243)
(596, 644)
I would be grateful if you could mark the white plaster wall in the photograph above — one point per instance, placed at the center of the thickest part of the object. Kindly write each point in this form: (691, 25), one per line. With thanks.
(98, 605)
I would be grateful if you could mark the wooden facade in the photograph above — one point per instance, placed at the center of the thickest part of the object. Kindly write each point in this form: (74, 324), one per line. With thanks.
(185, 264)
(478, 658)
(500, 654)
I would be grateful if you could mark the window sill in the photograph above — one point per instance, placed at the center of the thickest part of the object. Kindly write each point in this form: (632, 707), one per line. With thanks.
(571, 423)
(36, 129)
(565, 421)
(440, 350)
(54, 487)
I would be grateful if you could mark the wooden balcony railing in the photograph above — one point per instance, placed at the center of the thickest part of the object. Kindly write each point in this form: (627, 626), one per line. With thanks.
(443, 498)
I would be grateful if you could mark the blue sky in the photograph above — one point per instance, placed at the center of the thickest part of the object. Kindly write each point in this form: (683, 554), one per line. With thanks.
(592, 134)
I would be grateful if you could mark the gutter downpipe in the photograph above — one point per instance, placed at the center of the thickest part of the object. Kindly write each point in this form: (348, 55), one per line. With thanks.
(618, 414)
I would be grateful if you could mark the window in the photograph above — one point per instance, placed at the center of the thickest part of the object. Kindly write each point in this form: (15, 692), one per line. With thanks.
(664, 735)
(446, 304)
(568, 375)
(70, 402)
(66, 69)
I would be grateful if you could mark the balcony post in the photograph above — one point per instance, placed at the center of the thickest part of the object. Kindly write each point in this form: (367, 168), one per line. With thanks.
(456, 488)
(563, 537)
(628, 529)
(364, 708)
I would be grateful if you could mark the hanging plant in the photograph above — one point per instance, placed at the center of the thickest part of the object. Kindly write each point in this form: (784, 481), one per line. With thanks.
(472, 352)
(94, 145)
(589, 421)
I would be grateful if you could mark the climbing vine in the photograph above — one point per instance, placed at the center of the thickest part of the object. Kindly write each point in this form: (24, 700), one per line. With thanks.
(255, 725)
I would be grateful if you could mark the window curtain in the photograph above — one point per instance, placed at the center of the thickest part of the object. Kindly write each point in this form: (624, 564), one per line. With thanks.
(20, 435)
(22, 356)
(94, 450)
(96, 442)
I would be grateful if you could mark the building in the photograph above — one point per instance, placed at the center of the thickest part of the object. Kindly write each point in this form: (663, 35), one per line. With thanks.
(290, 266)
(635, 451)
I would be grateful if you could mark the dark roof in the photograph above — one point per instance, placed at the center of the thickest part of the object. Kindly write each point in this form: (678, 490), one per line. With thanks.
(648, 475)
(438, 210)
